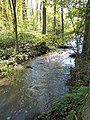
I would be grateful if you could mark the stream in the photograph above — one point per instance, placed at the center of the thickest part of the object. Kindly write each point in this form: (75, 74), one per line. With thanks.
(30, 93)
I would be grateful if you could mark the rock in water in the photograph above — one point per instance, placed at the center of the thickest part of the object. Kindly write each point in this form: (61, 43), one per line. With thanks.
(29, 67)
(72, 55)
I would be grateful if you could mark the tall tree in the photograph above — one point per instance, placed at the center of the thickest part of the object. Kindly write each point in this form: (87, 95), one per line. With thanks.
(86, 42)
(5, 16)
(37, 11)
(10, 6)
(44, 19)
(0, 10)
(15, 24)
(40, 11)
(33, 16)
(24, 10)
(54, 18)
(62, 18)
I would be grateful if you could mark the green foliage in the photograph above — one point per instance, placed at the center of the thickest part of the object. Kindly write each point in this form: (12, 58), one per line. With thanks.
(34, 37)
(19, 58)
(6, 39)
(69, 106)
(5, 70)
(30, 45)
(72, 115)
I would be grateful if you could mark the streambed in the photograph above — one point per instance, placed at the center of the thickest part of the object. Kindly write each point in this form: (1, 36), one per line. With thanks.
(36, 87)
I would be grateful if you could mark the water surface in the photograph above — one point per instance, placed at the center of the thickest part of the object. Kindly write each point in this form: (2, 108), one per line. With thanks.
(34, 89)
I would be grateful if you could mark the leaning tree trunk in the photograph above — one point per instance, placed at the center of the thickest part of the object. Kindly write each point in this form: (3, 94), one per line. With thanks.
(15, 24)
(86, 42)
(44, 20)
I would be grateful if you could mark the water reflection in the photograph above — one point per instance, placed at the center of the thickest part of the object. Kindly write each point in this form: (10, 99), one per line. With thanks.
(35, 88)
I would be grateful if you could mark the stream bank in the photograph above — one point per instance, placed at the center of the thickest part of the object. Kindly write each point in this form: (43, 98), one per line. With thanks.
(29, 94)
(74, 104)
(42, 82)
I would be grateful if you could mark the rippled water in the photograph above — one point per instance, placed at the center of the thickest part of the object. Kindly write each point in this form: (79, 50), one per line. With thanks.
(34, 89)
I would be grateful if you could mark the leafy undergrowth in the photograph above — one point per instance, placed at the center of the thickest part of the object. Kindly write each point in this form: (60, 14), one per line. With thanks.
(31, 44)
(6, 39)
(69, 107)
(82, 77)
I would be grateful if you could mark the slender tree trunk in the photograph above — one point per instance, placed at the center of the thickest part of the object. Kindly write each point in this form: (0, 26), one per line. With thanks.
(62, 17)
(6, 20)
(10, 7)
(33, 18)
(37, 11)
(24, 10)
(37, 15)
(9, 1)
(44, 20)
(86, 42)
(0, 10)
(32, 8)
(40, 11)
(54, 18)
(15, 24)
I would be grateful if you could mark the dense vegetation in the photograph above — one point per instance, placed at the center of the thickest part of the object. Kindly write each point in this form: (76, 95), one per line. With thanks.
(29, 29)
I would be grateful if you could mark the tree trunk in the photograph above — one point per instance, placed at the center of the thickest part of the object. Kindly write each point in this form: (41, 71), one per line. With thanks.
(37, 11)
(54, 18)
(40, 11)
(86, 42)
(6, 20)
(10, 6)
(0, 10)
(9, 2)
(62, 17)
(44, 20)
(33, 18)
(15, 24)
(32, 8)
(24, 10)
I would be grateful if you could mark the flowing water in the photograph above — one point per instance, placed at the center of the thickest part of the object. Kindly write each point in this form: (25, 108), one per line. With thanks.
(35, 88)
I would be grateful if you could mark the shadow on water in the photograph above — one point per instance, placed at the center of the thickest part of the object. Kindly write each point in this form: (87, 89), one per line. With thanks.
(34, 89)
